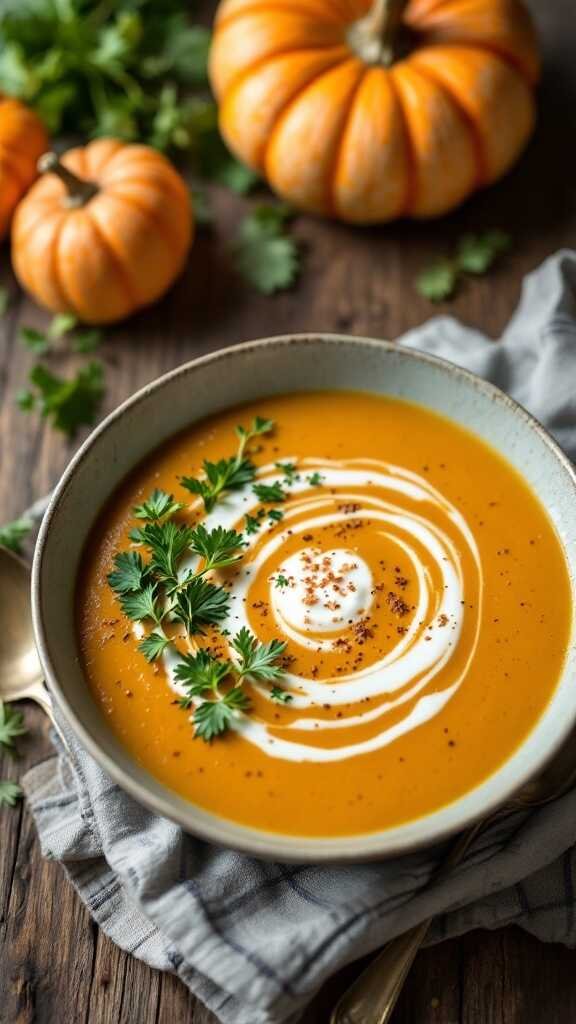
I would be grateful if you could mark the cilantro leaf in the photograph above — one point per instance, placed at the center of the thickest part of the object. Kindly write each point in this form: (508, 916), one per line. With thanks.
(200, 604)
(263, 254)
(12, 534)
(11, 726)
(157, 506)
(10, 793)
(258, 660)
(69, 403)
(218, 547)
(153, 645)
(129, 572)
(438, 280)
(141, 604)
(198, 673)
(477, 253)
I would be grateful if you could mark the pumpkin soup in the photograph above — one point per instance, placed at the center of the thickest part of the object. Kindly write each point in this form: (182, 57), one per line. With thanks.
(323, 613)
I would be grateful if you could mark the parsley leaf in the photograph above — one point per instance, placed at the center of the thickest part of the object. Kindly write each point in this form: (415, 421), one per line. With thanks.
(477, 253)
(129, 572)
(198, 673)
(10, 794)
(224, 475)
(315, 479)
(86, 341)
(61, 324)
(438, 280)
(281, 581)
(268, 493)
(12, 534)
(228, 474)
(280, 695)
(199, 604)
(263, 254)
(11, 726)
(253, 523)
(258, 660)
(218, 547)
(153, 645)
(211, 719)
(35, 340)
(68, 403)
(167, 542)
(141, 604)
(157, 506)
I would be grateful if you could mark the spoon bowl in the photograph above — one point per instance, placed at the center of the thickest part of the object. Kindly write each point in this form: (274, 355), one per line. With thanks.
(21, 675)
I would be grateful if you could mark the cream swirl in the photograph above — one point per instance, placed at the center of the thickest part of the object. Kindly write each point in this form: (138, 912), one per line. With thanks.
(324, 594)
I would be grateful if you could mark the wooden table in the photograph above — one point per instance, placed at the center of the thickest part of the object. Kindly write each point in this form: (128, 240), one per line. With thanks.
(55, 966)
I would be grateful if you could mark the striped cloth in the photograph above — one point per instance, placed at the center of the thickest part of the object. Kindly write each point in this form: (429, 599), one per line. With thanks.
(256, 940)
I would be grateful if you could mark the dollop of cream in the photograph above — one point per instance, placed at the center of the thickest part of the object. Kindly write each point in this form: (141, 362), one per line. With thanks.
(321, 591)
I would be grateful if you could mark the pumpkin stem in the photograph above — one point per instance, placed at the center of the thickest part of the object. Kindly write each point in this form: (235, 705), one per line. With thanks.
(374, 38)
(79, 191)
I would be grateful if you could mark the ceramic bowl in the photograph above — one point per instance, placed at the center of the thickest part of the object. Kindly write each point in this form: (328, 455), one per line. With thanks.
(247, 372)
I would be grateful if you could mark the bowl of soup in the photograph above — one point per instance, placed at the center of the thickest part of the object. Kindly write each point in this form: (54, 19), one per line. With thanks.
(312, 597)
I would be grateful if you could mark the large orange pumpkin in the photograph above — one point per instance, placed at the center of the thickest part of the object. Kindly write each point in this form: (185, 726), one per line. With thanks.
(22, 140)
(105, 233)
(369, 112)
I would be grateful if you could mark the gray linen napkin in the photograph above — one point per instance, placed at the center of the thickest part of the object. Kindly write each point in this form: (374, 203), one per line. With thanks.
(256, 940)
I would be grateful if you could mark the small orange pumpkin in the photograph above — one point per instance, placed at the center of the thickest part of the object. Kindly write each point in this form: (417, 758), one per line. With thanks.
(104, 232)
(22, 140)
(370, 111)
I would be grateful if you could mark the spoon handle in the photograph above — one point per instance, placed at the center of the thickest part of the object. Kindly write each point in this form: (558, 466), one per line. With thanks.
(373, 996)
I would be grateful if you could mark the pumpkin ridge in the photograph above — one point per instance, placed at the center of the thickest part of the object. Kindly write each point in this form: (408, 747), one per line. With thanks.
(258, 65)
(477, 140)
(56, 267)
(411, 162)
(286, 108)
(131, 289)
(332, 175)
(170, 240)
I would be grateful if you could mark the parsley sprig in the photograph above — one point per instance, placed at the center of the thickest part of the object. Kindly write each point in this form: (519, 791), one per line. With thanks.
(11, 728)
(475, 254)
(154, 587)
(228, 474)
(201, 675)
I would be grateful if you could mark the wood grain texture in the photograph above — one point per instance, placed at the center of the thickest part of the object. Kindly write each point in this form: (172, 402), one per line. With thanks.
(55, 966)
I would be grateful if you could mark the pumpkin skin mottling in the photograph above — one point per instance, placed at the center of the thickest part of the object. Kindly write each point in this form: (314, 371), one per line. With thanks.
(23, 139)
(366, 143)
(117, 253)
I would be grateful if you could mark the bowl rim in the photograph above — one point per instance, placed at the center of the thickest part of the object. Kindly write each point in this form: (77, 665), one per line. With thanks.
(406, 837)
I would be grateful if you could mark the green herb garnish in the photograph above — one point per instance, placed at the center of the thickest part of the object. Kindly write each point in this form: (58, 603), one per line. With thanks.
(475, 254)
(12, 534)
(280, 695)
(67, 403)
(269, 493)
(156, 585)
(11, 726)
(228, 474)
(264, 255)
(10, 793)
(315, 479)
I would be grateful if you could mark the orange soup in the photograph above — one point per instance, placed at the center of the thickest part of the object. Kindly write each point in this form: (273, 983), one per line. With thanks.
(340, 617)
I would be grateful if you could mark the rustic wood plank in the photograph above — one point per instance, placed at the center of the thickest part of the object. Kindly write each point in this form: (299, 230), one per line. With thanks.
(55, 967)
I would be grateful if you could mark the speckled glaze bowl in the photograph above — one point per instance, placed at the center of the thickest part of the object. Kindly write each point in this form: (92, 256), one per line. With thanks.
(247, 372)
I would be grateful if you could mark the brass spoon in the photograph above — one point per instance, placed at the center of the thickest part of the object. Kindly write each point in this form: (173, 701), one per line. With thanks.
(373, 996)
(21, 676)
